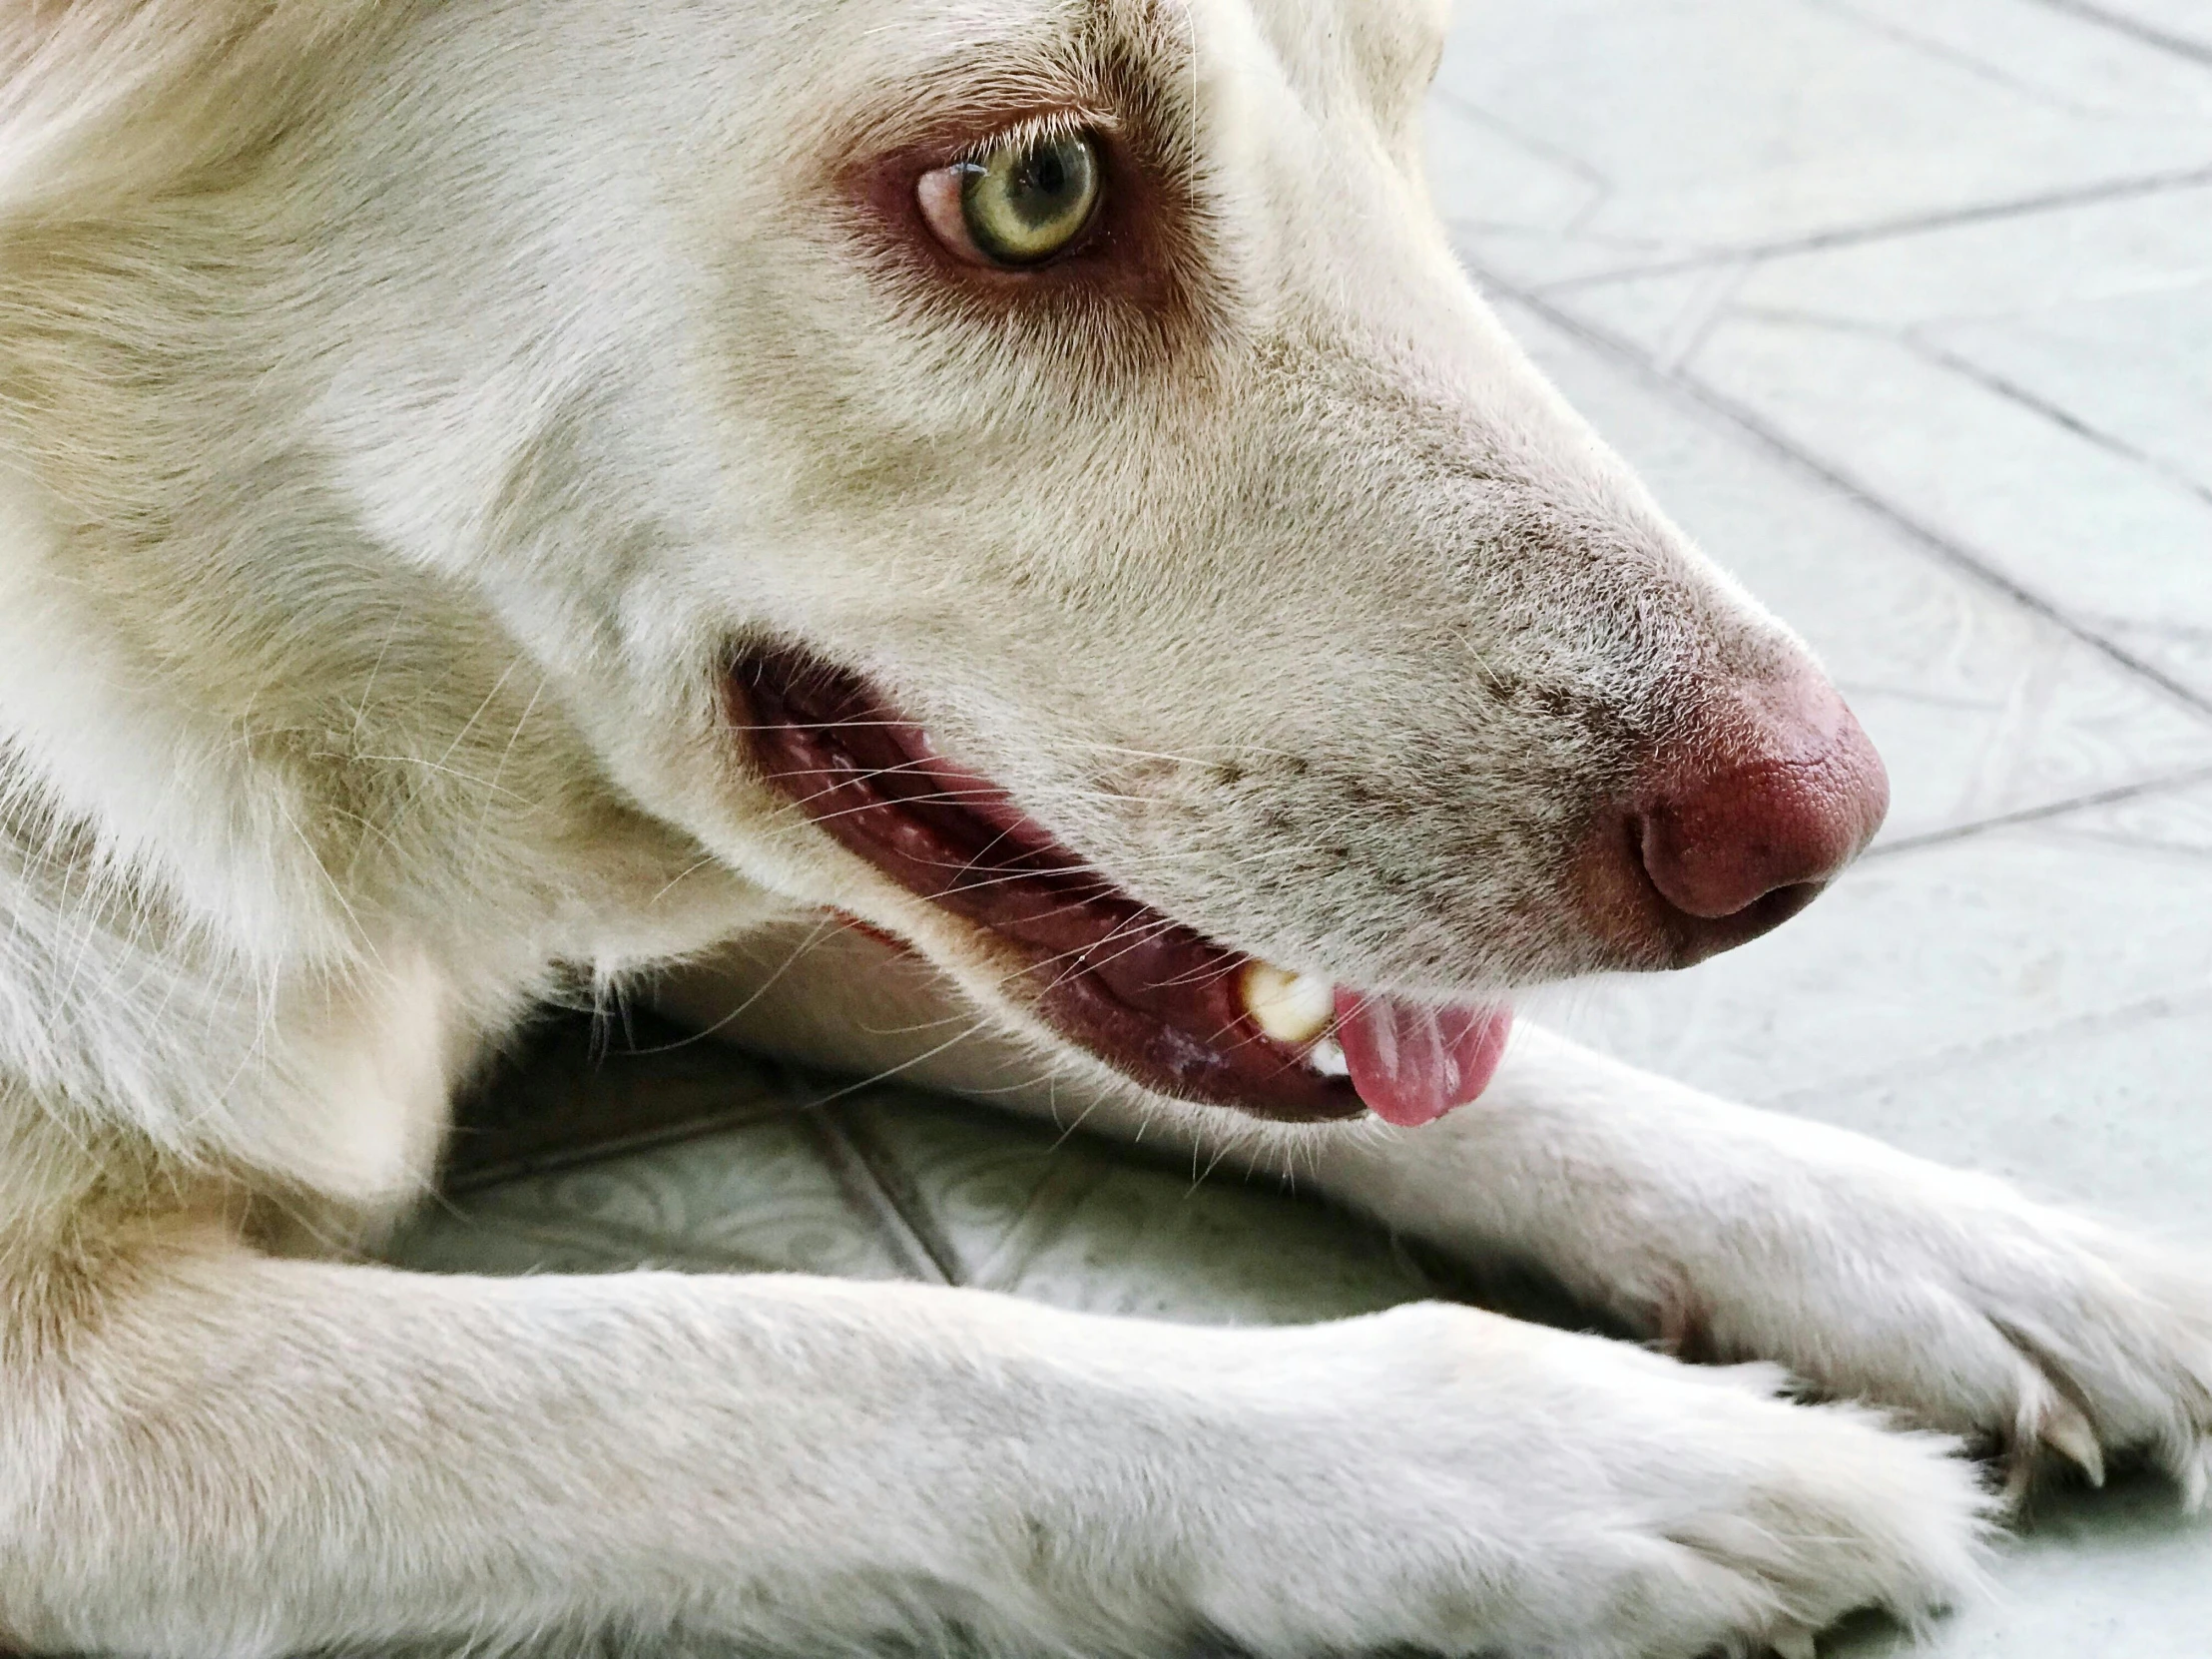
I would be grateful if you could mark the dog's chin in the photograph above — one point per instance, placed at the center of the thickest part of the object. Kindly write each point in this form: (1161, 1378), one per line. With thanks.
(1153, 998)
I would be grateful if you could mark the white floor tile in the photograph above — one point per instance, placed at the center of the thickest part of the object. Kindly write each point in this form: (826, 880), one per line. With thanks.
(2038, 390)
(757, 1199)
(1979, 707)
(1927, 954)
(1716, 124)
(2101, 1575)
(2183, 23)
(2100, 535)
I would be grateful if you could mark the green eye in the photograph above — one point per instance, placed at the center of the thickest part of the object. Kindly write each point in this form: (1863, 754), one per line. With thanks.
(1023, 203)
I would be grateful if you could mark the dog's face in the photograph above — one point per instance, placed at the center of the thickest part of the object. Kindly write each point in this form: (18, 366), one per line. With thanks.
(1030, 475)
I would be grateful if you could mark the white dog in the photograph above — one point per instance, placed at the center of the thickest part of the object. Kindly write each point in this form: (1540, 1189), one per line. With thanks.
(503, 491)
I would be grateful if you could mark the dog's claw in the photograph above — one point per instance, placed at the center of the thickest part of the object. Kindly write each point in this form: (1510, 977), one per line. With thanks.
(2067, 1431)
(1794, 1644)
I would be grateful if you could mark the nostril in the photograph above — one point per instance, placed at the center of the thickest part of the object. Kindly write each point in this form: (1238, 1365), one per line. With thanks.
(1771, 910)
(1733, 830)
(1788, 796)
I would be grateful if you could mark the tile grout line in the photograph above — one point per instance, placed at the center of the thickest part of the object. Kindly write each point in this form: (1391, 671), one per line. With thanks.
(2118, 190)
(1999, 385)
(857, 1172)
(1939, 50)
(2133, 27)
(2035, 814)
(2002, 1045)
(555, 1160)
(1542, 149)
(1951, 551)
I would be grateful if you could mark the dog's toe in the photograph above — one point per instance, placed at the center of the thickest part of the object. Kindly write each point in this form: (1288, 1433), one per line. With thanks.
(2109, 1349)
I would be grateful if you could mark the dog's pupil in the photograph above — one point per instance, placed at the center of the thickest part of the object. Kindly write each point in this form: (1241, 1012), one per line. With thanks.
(1041, 186)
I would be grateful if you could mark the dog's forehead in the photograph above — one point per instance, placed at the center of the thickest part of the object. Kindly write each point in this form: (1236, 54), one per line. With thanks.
(1373, 54)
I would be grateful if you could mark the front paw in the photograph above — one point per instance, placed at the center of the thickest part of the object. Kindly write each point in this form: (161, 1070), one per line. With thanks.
(1953, 1297)
(1444, 1480)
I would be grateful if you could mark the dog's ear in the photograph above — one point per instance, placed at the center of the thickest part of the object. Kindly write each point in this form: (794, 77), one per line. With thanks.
(104, 101)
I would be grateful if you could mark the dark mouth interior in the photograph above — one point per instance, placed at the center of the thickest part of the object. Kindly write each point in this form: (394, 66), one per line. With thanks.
(1143, 992)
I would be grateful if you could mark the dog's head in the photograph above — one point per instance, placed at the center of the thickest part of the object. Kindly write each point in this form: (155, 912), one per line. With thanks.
(1029, 474)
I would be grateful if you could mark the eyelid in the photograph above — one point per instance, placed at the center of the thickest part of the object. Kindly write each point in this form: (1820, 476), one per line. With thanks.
(940, 192)
(1035, 128)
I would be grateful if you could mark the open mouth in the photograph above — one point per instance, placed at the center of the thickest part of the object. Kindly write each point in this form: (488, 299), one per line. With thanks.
(1162, 1004)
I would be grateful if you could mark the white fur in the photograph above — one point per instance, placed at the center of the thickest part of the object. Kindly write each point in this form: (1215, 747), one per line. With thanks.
(404, 407)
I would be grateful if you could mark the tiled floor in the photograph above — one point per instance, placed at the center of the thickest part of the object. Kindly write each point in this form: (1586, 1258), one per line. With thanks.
(1904, 308)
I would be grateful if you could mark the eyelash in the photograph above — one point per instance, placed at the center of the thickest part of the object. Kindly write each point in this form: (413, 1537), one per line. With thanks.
(1035, 130)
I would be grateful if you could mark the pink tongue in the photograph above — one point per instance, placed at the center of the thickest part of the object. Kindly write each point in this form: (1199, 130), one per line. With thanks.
(1413, 1063)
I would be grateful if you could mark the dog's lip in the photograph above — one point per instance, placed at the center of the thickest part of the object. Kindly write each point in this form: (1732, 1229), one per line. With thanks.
(1118, 978)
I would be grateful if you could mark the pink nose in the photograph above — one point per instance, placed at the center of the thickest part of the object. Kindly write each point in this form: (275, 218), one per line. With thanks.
(1740, 828)
(1785, 799)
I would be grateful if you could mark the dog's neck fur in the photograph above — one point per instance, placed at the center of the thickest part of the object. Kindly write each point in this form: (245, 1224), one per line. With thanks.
(262, 778)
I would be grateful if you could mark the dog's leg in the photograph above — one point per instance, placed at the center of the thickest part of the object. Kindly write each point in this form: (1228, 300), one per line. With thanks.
(1732, 1232)
(205, 1451)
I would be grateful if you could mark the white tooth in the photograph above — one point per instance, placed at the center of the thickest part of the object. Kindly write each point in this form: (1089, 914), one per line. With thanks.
(1291, 1008)
(1328, 1058)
